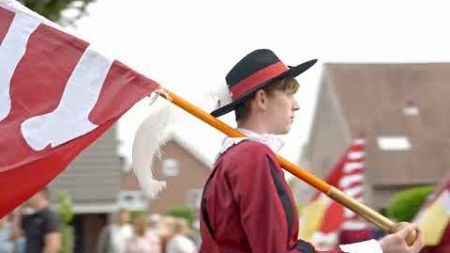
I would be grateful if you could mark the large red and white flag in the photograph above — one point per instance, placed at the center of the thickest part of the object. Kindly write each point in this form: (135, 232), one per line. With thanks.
(323, 219)
(57, 96)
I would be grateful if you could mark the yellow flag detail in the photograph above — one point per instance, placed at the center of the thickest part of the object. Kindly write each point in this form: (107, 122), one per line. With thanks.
(312, 216)
(434, 221)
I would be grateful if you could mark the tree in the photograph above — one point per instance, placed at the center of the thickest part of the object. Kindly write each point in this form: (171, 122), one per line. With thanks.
(404, 205)
(64, 206)
(54, 9)
(183, 212)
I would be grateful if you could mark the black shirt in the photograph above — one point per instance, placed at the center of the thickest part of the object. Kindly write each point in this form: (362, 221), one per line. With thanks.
(36, 226)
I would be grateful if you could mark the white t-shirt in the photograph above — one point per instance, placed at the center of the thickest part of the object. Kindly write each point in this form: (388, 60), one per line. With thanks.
(120, 236)
(180, 244)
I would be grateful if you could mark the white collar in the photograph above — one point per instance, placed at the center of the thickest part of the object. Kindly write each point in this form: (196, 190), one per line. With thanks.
(273, 141)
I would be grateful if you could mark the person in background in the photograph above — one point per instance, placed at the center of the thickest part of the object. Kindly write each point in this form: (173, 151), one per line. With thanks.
(114, 237)
(178, 240)
(153, 221)
(6, 244)
(142, 240)
(17, 237)
(39, 225)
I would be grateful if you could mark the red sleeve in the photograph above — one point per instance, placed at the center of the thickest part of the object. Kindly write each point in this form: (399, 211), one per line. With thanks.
(261, 192)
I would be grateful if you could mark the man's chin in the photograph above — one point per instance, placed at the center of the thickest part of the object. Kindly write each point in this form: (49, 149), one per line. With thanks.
(284, 131)
(288, 129)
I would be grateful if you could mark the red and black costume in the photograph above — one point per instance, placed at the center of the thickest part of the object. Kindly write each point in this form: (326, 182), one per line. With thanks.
(247, 205)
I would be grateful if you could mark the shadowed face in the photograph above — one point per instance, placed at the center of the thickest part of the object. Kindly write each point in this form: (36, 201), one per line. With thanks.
(36, 200)
(123, 217)
(280, 111)
(140, 226)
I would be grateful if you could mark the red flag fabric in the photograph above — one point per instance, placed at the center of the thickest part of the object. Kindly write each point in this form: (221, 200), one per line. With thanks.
(347, 175)
(332, 218)
(57, 96)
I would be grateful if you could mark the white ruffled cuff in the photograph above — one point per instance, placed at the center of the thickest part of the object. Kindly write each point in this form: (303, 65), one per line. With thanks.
(370, 246)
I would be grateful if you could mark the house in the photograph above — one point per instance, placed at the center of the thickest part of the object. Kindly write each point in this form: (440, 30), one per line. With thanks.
(183, 168)
(403, 111)
(93, 182)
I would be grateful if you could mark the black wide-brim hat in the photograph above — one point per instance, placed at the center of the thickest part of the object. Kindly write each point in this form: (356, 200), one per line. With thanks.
(254, 72)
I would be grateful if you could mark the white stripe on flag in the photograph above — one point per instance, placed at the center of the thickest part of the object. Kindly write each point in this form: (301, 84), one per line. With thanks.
(354, 225)
(445, 198)
(348, 213)
(346, 181)
(70, 119)
(12, 50)
(351, 166)
(354, 191)
(354, 155)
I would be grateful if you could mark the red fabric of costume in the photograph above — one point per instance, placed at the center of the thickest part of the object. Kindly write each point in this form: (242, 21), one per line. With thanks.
(247, 205)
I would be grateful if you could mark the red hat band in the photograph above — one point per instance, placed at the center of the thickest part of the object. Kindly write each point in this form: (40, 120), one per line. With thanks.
(257, 78)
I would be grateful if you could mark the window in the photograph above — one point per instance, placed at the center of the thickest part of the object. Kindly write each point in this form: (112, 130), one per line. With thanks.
(393, 143)
(132, 200)
(170, 167)
(411, 111)
(193, 198)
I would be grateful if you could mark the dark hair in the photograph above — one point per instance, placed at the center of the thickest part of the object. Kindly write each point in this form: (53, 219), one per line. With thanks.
(288, 84)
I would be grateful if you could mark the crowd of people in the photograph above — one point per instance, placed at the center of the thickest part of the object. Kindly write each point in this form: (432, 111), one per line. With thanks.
(157, 234)
(37, 228)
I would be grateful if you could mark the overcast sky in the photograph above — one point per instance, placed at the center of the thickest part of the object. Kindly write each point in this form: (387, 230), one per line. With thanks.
(189, 46)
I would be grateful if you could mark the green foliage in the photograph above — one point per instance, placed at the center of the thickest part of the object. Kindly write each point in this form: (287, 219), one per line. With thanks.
(53, 9)
(405, 204)
(65, 206)
(65, 210)
(66, 239)
(183, 212)
(135, 214)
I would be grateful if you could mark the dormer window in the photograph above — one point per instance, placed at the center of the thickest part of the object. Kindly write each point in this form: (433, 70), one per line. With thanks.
(393, 143)
(411, 109)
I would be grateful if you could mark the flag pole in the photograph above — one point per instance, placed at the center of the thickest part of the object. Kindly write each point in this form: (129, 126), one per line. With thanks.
(364, 211)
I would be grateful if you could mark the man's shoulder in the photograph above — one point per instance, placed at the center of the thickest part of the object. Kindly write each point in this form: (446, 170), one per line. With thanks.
(52, 220)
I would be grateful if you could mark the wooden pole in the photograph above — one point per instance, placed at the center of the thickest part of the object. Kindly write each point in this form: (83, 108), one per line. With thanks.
(334, 193)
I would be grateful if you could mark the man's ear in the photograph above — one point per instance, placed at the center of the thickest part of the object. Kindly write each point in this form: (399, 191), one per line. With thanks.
(260, 99)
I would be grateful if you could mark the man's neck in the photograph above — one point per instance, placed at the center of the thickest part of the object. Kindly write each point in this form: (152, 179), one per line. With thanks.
(252, 126)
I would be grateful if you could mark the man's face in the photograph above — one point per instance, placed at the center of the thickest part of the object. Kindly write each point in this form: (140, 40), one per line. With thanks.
(123, 217)
(280, 110)
(36, 199)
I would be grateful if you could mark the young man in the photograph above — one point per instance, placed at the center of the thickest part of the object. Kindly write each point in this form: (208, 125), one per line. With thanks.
(247, 206)
(41, 228)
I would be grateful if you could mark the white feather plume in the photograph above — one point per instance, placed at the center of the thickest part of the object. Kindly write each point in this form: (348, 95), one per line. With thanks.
(220, 96)
(150, 136)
